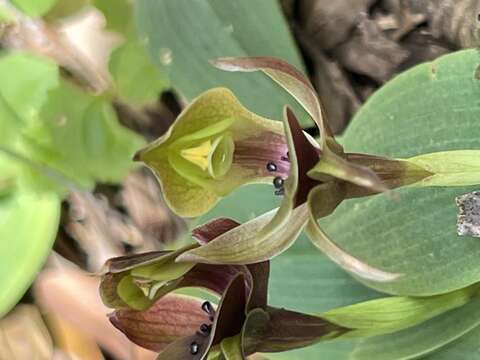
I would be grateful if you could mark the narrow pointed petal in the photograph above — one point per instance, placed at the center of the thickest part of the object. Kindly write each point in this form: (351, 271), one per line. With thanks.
(170, 319)
(288, 77)
(128, 262)
(393, 173)
(231, 311)
(279, 330)
(322, 201)
(334, 165)
(449, 168)
(303, 154)
(245, 245)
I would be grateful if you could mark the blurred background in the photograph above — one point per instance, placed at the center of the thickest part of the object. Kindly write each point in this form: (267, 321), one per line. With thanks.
(67, 181)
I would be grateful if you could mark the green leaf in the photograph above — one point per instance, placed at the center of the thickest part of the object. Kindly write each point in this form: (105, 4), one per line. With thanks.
(136, 79)
(466, 347)
(183, 36)
(26, 80)
(28, 227)
(423, 339)
(34, 8)
(432, 107)
(79, 135)
(391, 314)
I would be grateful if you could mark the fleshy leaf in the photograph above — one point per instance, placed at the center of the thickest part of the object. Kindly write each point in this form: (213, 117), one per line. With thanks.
(286, 76)
(169, 319)
(210, 150)
(387, 315)
(449, 168)
(322, 201)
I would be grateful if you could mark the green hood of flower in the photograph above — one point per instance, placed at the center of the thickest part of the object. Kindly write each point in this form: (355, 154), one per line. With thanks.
(214, 146)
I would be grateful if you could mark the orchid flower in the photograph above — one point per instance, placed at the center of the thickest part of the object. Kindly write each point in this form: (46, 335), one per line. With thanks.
(214, 146)
(180, 327)
(314, 177)
(320, 177)
(185, 328)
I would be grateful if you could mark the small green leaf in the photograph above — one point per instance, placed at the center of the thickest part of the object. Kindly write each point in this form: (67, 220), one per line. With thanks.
(383, 316)
(26, 80)
(28, 227)
(82, 139)
(136, 79)
(34, 8)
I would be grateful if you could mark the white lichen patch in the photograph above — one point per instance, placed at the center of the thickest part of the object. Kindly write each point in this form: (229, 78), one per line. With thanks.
(468, 218)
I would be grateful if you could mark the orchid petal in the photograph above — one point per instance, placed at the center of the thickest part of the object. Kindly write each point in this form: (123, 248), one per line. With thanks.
(288, 77)
(393, 173)
(449, 168)
(334, 165)
(171, 318)
(322, 201)
(244, 244)
(278, 330)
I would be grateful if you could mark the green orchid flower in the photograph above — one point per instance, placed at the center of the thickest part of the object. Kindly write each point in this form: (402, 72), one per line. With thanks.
(320, 177)
(314, 177)
(214, 146)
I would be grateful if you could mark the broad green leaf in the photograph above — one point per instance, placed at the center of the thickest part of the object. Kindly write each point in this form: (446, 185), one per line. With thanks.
(26, 80)
(34, 8)
(79, 135)
(423, 339)
(432, 107)
(136, 79)
(183, 36)
(28, 226)
(466, 347)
